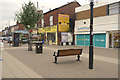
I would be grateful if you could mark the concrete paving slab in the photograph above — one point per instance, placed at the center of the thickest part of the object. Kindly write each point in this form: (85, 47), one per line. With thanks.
(16, 68)
(68, 67)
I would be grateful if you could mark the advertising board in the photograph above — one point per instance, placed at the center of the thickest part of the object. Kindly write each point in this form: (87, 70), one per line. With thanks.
(63, 22)
(70, 37)
(64, 37)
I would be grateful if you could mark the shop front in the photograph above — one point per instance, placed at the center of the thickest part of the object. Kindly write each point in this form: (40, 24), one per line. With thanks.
(114, 39)
(83, 37)
(23, 35)
(34, 35)
(48, 34)
(106, 33)
(99, 40)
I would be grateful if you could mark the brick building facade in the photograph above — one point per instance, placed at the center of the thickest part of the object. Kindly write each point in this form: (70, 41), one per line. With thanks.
(68, 9)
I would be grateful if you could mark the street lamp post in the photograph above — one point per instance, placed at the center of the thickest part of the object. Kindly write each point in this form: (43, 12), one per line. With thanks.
(91, 36)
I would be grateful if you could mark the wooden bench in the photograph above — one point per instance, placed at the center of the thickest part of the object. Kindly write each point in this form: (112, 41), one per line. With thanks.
(68, 52)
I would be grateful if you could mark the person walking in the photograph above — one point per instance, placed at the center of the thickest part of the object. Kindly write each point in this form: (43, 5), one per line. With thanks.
(10, 41)
(20, 39)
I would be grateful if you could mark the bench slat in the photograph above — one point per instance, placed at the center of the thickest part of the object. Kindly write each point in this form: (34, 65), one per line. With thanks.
(68, 52)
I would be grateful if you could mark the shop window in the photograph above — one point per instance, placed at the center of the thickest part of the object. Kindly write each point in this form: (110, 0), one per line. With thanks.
(51, 36)
(107, 9)
(114, 39)
(35, 25)
(51, 20)
(114, 8)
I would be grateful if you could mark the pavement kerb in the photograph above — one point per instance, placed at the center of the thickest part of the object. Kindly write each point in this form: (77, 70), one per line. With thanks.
(0, 70)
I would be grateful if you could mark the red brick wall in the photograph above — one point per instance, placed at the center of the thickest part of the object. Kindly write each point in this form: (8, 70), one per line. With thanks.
(100, 11)
(68, 9)
(21, 27)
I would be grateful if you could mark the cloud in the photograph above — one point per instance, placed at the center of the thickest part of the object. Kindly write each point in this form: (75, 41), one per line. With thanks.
(8, 8)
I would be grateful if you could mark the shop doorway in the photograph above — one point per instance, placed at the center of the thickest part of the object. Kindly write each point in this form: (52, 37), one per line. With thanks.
(51, 37)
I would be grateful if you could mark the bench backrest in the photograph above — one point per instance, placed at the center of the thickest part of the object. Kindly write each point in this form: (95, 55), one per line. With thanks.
(68, 52)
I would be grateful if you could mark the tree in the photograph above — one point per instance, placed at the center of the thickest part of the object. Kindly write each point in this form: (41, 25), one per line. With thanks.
(29, 16)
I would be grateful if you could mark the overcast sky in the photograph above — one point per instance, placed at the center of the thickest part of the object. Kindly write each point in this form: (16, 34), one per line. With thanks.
(8, 8)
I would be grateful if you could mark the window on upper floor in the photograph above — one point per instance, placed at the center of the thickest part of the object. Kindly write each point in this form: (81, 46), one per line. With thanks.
(35, 25)
(114, 8)
(51, 20)
(42, 23)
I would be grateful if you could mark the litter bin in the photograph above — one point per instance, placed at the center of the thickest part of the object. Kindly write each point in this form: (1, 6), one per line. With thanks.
(39, 47)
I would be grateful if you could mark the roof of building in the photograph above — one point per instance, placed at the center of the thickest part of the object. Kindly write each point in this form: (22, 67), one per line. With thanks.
(62, 6)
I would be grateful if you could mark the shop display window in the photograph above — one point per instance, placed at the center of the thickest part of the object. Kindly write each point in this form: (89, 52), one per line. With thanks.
(115, 39)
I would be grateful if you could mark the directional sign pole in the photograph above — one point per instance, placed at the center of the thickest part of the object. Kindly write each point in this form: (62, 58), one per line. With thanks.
(91, 36)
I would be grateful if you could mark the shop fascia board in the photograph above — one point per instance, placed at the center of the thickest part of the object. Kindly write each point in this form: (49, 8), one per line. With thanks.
(99, 32)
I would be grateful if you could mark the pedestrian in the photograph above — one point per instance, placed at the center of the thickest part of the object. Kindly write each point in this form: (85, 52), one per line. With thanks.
(9, 42)
(20, 39)
(2, 40)
(43, 41)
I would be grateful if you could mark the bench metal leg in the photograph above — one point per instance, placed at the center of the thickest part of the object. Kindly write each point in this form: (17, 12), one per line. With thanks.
(78, 58)
(55, 60)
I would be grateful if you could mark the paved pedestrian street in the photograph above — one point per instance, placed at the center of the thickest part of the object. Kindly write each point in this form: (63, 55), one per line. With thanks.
(20, 63)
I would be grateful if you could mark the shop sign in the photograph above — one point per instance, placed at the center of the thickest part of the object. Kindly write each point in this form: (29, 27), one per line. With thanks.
(83, 29)
(48, 29)
(63, 22)
(41, 30)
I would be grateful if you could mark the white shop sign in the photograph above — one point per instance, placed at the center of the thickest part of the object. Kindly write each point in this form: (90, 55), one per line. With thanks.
(83, 29)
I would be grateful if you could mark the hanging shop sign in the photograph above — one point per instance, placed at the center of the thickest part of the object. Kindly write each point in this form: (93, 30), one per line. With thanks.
(63, 22)
(48, 29)
(83, 29)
